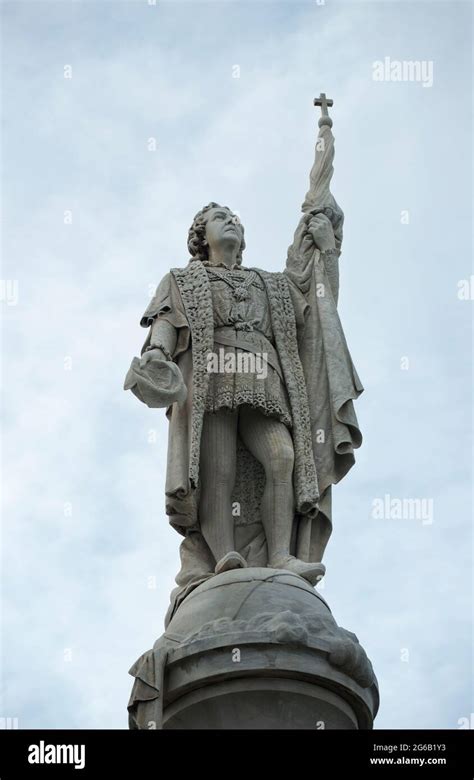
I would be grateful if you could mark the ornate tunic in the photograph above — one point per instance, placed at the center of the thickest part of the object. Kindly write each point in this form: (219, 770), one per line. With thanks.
(242, 324)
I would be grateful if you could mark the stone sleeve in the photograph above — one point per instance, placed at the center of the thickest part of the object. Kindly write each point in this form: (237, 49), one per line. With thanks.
(167, 306)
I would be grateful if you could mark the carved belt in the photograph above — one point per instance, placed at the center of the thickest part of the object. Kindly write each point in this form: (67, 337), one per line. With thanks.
(252, 341)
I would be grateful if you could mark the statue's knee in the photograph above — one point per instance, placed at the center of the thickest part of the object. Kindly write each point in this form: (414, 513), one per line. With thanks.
(281, 463)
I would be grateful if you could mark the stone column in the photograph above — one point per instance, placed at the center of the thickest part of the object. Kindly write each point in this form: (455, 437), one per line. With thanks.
(254, 648)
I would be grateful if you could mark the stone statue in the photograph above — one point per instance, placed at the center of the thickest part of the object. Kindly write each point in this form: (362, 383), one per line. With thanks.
(258, 383)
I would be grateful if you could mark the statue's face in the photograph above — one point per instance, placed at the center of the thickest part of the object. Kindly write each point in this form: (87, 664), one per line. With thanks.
(223, 228)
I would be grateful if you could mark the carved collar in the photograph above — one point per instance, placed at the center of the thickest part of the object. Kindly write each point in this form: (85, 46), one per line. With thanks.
(233, 267)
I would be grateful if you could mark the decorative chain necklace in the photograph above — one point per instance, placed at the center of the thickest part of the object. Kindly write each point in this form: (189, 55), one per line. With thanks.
(240, 286)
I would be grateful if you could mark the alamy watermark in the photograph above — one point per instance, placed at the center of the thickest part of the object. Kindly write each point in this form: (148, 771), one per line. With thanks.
(44, 753)
(466, 289)
(8, 723)
(420, 71)
(9, 291)
(391, 508)
(466, 722)
(238, 363)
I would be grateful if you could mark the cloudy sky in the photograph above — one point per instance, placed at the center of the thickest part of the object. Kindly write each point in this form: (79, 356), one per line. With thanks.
(121, 119)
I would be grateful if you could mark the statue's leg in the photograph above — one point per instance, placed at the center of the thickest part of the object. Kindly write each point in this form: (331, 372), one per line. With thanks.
(270, 442)
(218, 457)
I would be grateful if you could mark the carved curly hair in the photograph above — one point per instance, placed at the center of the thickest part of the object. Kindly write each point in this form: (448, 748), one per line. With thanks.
(197, 245)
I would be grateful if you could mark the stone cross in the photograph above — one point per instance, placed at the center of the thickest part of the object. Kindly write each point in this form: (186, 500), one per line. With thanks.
(324, 102)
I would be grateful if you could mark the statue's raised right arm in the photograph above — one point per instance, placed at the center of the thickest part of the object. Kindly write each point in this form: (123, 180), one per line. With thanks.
(331, 379)
(318, 236)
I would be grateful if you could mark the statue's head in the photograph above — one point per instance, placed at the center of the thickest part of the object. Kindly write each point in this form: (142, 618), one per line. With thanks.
(213, 227)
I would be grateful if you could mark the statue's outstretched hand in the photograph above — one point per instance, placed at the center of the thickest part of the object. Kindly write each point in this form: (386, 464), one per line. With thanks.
(151, 354)
(155, 380)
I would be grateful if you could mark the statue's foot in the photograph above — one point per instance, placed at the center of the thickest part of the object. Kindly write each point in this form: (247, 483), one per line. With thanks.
(312, 572)
(233, 560)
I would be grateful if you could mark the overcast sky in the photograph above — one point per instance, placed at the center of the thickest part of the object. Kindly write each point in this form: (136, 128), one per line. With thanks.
(94, 217)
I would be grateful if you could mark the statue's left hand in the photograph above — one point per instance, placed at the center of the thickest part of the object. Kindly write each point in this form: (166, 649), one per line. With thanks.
(320, 232)
(151, 354)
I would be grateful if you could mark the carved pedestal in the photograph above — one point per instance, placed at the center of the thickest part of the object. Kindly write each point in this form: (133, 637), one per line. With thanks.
(254, 648)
